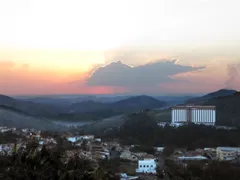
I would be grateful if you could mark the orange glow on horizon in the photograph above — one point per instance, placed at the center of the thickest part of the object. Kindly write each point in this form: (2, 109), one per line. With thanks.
(20, 80)
(48, 89)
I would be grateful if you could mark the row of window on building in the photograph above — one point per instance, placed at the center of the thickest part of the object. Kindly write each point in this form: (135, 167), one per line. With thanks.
(194, 115)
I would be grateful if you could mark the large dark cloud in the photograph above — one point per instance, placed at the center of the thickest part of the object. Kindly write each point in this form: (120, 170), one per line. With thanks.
(151, 74)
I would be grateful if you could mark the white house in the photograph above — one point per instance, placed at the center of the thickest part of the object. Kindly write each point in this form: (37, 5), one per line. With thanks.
(87, 137)
(98, 140)
(77, 138)
(147, 166)
(73, 139)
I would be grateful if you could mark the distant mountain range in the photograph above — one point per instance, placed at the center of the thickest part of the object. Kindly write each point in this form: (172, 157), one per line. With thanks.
(10, 117)
(63, 100)
(131, 104)
(11, 109)
(71, 99)
(84, 110)
(28, 107)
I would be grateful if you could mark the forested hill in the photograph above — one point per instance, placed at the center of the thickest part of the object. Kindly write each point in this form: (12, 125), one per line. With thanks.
(216, 94)
(141, 128)
(78, 110)
(28, 107)
(228, 109)
(227, 106)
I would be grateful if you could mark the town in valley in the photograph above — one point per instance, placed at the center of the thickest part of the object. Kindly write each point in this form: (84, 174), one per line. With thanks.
(190, 125)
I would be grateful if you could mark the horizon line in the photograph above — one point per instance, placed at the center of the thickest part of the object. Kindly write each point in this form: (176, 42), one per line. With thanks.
(117, 94)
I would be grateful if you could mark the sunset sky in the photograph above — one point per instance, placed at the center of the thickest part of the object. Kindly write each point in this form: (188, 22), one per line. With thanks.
(163, 46)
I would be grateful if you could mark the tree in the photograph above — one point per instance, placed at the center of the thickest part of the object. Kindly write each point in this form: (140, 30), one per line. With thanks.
(139, 129)
(167, 151)
(46, 164)
(84, 145)
(160, 172)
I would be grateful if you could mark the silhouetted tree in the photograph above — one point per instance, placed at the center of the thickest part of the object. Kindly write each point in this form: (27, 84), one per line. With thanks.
(168, 150)
(45, 164)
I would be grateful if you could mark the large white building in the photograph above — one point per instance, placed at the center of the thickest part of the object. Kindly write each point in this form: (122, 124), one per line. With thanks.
(227, 153)
(195, 114)
(147, 166)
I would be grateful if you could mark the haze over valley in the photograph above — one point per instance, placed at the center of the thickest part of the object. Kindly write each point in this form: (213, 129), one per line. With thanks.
(119, 89)
(66, 112)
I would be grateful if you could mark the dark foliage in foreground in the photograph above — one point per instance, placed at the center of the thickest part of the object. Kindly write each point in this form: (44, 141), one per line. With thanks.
(8, 137)
(147, 149)
(200, 171)
(45, 164)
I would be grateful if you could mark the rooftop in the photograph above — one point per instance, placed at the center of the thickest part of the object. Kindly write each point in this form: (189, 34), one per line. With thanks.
(193, 106)
(192, 157)
(229, 148)
(147, 160)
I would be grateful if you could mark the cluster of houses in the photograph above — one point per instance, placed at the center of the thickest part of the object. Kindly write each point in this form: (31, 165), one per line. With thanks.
(182, 156)
(90, 147)
(23, 134)
(230, 154)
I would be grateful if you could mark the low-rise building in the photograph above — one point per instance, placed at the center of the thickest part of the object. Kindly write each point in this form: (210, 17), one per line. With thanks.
(98, 140)
(159, 149)
(163, 124)
(147, 166)
(192, 158)
(176, 124)
(211, 153)
(87, 137)
(73, 139)
(80, 138)
(128, 156)
(227, 153)
(209, 149)
(194, 153)
(99, 151)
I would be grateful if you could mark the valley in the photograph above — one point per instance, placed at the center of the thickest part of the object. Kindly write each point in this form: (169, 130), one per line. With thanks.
(109, 112)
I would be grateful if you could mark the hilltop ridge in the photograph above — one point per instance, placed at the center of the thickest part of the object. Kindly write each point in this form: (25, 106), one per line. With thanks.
(84, 110)
(216, 94)
(227, 104)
